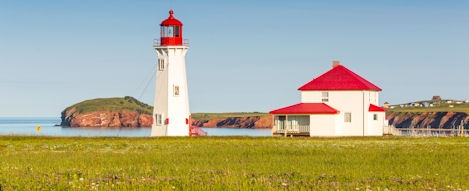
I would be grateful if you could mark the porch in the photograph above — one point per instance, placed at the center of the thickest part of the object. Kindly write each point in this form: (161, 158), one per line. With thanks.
(291, 125)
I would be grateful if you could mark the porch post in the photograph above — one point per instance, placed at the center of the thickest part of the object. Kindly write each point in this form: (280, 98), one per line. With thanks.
(286, 125)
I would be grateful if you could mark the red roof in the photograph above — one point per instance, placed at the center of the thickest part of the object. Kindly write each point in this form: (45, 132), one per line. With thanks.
(339, 78)
(171, 21)
(306, 108)
(376, 108)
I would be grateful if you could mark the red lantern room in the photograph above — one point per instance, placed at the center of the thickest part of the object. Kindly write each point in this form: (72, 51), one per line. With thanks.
(171, 31)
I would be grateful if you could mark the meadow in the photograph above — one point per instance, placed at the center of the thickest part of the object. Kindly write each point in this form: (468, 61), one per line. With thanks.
(233, 163)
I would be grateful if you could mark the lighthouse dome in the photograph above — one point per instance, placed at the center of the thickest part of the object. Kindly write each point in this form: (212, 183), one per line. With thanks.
(171, 21)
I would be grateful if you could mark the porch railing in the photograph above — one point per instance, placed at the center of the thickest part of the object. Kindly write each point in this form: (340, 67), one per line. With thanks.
(157, 42)
(291, 129)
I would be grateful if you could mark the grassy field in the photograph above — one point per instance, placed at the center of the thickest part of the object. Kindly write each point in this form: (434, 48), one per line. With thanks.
(208, 116)
(234, 163)
(113, 104)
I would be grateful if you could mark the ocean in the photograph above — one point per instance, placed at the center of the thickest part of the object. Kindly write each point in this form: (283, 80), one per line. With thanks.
(40, 126)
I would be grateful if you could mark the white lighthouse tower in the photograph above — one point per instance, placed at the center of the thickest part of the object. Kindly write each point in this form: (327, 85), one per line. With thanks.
(171, 115)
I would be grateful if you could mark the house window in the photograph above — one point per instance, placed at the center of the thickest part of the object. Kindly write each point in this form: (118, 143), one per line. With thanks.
(158, 119)
(347, 117)
(375, 116)
(325, 96)
(161, 64)
(176, 90)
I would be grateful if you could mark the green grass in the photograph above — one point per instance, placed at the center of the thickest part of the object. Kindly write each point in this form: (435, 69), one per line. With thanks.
(113, 104)
(209, 116)
(429, 109)
(439, 107)
(233, 163)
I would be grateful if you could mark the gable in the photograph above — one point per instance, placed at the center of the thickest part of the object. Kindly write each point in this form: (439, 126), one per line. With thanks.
(339, 78)
(375, 108)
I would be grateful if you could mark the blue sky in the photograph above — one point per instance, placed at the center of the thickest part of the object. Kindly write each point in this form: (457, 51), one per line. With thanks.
(244, 55)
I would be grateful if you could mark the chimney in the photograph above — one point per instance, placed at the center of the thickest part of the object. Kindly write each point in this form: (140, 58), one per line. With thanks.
(335, 63)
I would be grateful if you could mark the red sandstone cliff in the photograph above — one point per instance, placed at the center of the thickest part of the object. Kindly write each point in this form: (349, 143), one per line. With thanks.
(257, 122)
(106, 119)
(125, 118)
(427, 119)
(129, 112)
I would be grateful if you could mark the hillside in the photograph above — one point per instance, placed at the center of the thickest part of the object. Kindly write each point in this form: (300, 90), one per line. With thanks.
(432, 106)
(108, 112)
(112, 104)
(255, 120)
(209, 116)
(129, 112)
(429, 113)
(233, 120)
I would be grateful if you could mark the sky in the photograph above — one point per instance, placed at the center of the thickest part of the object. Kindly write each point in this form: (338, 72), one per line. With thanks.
(244, 56)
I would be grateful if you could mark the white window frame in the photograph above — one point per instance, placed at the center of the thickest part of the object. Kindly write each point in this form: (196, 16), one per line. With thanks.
(347, 117)
(161, 64)
(176, 90)
(158, 119)
(325, 96)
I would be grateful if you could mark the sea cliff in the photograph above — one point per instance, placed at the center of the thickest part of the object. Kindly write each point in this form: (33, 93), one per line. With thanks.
(444, 120)
(108, 112)
(256, 122)
(105, 119)
(129, 112)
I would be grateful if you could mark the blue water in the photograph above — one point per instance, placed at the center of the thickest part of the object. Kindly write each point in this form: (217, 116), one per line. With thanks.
(28, 126)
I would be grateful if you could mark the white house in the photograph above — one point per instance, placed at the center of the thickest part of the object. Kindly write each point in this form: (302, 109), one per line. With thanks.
(337, 103)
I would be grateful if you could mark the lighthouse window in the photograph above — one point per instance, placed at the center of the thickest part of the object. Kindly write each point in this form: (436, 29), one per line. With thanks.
(170, 31)
(176, 90)
(176, 31)
(158, 119)
(161, 64)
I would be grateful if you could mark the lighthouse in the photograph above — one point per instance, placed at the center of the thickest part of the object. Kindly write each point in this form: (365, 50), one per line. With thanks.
(171, 115)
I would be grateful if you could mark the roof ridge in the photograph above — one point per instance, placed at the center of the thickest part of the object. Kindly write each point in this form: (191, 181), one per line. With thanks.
(358, 77)
(339, 78)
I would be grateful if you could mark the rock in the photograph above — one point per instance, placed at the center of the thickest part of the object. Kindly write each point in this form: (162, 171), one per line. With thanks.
(108, 113)
(237, 122)
(129, 112)
(106, 119)
(444, 120)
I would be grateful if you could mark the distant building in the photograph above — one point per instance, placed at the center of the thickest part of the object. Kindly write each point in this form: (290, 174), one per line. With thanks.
(425, 104)
(337, 103)
(386, 105)
(436, 98)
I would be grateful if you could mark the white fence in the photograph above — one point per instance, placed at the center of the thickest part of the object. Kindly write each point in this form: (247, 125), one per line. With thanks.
(428, 132)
